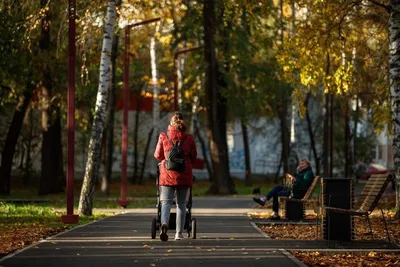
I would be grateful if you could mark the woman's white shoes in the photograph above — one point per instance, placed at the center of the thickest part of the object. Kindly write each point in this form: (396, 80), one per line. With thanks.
(178, 237)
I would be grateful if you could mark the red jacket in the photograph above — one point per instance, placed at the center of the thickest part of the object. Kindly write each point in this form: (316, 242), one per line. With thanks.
(173, 178)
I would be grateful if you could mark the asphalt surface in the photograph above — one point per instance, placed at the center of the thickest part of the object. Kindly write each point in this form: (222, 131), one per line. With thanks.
(226, 236)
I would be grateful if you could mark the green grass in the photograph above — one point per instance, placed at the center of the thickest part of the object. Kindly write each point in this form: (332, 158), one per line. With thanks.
(105, 203)
(12, 215)
(29, 210)
(139, 195)
(146, 190)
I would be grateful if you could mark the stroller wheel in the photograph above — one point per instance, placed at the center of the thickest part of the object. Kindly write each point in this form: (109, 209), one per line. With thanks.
(193, 228)
(188, 231)
(153, 228)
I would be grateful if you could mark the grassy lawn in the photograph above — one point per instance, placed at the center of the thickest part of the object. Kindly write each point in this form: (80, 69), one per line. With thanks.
(146, 190)
(143, 195)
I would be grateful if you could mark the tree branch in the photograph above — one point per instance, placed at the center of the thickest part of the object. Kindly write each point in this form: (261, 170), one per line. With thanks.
(380, 5)
(4, 87)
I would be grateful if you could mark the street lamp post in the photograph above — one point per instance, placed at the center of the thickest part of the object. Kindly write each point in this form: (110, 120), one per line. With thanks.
(123, 202)
(70, 217)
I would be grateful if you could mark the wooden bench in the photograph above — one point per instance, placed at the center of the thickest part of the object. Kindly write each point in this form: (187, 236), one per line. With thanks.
(293, 208)
(369, 198)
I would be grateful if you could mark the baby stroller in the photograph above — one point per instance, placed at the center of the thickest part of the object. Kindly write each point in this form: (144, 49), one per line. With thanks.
(190, 223)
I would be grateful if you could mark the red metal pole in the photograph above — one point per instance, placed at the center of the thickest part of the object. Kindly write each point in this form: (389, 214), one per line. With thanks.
(70, 217)
(123, 202)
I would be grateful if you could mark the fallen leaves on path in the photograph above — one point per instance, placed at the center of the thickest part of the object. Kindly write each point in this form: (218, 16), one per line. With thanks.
(377, 259)
(337, 259)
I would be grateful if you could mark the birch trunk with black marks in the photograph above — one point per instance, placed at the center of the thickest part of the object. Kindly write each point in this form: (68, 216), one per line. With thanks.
(94, 156)
(394, 76)
(153, 135)
(108, 164)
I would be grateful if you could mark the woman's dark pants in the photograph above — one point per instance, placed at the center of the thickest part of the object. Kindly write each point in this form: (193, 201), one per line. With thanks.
(277, 191)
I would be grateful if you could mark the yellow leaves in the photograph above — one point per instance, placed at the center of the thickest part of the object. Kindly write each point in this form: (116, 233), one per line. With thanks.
(308, 76)
(286, 68)
(260, 215)
(372, 254)
(343, 79)
(166, 40)
(146, 78)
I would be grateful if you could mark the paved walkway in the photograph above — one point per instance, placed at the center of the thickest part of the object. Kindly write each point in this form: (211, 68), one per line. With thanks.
(226, 236)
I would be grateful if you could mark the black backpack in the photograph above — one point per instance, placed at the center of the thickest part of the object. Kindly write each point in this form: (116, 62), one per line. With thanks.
(176, 157)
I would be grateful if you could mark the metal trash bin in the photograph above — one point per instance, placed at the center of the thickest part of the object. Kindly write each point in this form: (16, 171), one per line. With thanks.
(338, 193)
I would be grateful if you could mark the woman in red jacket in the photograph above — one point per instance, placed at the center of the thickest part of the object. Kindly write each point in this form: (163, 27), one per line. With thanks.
(171, 181)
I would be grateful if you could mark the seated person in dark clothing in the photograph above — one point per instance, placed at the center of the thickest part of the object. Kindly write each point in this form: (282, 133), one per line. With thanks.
(301, 182)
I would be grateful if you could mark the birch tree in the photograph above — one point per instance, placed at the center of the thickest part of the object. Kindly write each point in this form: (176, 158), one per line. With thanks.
(394, 76)
(94, 157)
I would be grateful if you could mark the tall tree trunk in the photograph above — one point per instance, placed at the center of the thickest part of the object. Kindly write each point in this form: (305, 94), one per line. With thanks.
(278, 170)
(285, 139)
(246, 154)
(28, 160)
(394, 75)
(216, 108)
(51, 178)
(355, 129)
(108, 166)
(203, 149)
(331, 127)
(156, 94)
(312, 137)
(52, 175)
(325, 155)
(136, 138)
(22, 156)
(146, 152)
(7, 154)
(93, 159)
(347, 151)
